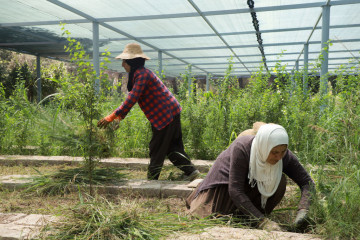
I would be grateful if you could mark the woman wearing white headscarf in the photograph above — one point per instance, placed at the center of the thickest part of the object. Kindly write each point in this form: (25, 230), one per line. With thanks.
(247, 179)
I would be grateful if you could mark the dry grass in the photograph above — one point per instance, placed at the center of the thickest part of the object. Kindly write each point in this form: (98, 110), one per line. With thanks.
(18, 202)
(30, 170)
(14, 201)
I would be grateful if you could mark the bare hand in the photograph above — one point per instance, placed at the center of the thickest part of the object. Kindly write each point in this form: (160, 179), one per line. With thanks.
(102, 123)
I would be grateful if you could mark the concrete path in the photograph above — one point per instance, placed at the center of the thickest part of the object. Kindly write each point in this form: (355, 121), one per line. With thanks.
(133, 163)
(22, 226)
(16, 226)
(221, 233)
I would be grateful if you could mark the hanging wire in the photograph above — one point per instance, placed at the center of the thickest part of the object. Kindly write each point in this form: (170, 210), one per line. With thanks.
(258, 33)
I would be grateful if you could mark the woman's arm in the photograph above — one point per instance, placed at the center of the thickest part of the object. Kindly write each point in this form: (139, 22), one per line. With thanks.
(294, 170)
(238, 177)
(133, 96)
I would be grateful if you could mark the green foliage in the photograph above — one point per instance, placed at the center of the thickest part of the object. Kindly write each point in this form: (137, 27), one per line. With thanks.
(335, 208)
(133, 135)
(3, 122)
(18, 115)
(16, 68)
(82, 91)
(184, 84)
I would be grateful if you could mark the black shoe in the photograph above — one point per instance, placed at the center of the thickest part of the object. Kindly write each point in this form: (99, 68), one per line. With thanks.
(191, 177)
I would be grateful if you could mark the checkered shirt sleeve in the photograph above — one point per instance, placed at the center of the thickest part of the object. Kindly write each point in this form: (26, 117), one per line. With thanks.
(154, 98)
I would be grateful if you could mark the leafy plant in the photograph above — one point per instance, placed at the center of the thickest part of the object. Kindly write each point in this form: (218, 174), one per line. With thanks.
(81, 90)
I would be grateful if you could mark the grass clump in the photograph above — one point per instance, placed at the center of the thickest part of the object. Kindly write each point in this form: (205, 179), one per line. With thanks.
(334, 212)
(102, 220)
(64, 180)
(128, 218)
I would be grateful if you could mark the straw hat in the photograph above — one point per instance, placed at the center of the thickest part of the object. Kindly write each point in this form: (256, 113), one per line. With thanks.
(132, 50)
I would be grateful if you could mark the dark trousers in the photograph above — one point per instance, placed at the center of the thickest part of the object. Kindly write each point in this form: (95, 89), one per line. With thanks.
(168, 142)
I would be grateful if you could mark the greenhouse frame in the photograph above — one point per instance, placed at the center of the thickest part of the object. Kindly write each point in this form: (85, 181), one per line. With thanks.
(199, 36)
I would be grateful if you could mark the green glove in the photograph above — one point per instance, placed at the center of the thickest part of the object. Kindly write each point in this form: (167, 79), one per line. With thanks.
(301, 217)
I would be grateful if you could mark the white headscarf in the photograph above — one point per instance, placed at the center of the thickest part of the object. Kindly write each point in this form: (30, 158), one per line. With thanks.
(265, 175)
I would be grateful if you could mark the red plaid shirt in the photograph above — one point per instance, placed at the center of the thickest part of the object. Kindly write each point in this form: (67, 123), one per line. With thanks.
(154, 98)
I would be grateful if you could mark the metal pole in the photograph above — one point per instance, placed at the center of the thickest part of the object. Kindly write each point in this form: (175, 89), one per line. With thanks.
(96, 60)
(324, 48)
(306, 63)
(297, 70)
(38, 75)
(292, 82)
(189, 80)
(207, 82)
(160, 63)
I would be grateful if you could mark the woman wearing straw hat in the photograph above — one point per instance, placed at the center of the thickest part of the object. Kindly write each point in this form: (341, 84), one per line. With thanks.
(247, 179)
(160, 107)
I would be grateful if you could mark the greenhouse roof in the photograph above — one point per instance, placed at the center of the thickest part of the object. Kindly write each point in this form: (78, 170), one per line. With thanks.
(200, 33)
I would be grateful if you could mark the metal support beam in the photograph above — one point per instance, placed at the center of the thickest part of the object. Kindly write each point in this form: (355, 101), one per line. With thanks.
(292, 82)
(250, 55)
(207, 82)
(31, 43)
(306, 65)
(254, 45)
(189, 80)
(259, 62)
(297, 65)
(181, 15)
(160, 63)
(216, 32)
(232, 33)
(246, 46)
(82, 14)
(324, 48)
(38, 78)
(96, 59)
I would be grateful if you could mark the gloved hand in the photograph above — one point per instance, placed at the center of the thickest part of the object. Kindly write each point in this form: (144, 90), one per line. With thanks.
(301, 217)
(268, 225)
(103, 123)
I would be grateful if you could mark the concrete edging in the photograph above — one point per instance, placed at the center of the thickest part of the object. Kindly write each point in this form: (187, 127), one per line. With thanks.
(145, 188)
(133, 163)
